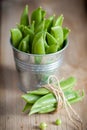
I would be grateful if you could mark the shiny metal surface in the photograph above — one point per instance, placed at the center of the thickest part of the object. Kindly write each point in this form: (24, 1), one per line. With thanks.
(34, 70)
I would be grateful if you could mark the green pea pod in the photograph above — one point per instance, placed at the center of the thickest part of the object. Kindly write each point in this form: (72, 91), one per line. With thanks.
(65, 33)
(65, 84)
(38, 44)
(40, 91)
(47, 110)
(52, 49)
(43, 14)
(57, 32)
(40, 27)
(50, 39)
(43, 101)
(30, 98)
(49, 23)
(24, 44)
(27, 107)
(68, 83)
(25, 30)
(32, 26)
(24, 20)
(78, 98)
(59, 21)
(36, 16)
(16, 36)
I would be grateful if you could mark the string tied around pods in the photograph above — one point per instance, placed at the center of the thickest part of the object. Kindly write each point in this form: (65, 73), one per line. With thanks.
(54, 86)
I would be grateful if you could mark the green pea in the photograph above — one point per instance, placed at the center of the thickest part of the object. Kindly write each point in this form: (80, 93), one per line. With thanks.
(24, 44)
(58, 122)
(38, 44)
(59, 21)
(16, 36)
(24, 20)
(43, 126)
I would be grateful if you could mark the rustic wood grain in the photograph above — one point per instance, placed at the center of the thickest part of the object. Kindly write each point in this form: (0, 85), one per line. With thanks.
(75, 63)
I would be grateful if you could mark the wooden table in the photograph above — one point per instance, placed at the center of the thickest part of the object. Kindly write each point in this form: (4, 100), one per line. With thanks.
(75, 63)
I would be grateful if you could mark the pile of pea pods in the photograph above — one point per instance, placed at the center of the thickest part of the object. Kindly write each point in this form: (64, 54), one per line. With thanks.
(37, 34)
(43, 100)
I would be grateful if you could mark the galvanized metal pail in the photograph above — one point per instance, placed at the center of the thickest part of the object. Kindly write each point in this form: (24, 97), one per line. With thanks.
(34, 70)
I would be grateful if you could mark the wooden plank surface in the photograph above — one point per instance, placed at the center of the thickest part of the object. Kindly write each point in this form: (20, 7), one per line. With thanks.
(75, 63)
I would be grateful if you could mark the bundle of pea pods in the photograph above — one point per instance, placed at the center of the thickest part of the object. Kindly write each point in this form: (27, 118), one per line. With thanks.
(37, 34)
(44, 101)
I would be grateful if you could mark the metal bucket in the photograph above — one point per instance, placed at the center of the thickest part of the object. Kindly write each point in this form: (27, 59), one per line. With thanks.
(34, 70)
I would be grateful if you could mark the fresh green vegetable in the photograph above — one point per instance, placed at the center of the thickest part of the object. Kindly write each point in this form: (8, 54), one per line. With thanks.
(38, 44)
(43, 126)
(24, 44)
(30, 98)
(59, 21)
(24, 17)
(58, 122)
(16, 36)
(27, 107)
(43, 100)
(51, 40)
(54, 35)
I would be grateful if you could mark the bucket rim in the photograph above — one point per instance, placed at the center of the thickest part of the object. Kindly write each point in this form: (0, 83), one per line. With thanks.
(40, 55)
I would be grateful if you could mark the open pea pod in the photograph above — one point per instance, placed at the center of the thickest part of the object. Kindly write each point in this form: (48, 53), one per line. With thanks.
(24, 44)
(16, 37)
(50, 39)
(24, 20)
(38, 44)
(65, 33)
(59, 21)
